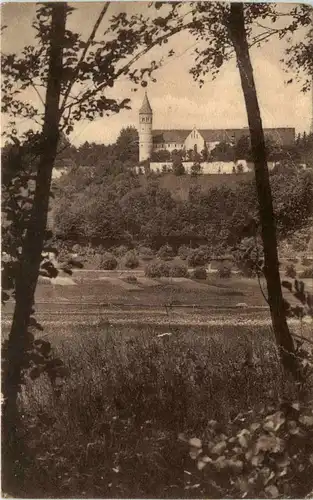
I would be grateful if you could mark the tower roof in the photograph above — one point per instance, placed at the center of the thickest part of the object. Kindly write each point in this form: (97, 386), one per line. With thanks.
(145, 107)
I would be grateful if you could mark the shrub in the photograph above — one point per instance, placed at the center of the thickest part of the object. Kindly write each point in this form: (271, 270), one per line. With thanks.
(183, 252)
(291, 271)
(306, 273)
(108, 261)
(178, 270)
(178, 168)
(120, 251)
(224, 272)
(306, 261)
(166, 252)
(157, 269)
(199, 273)
(197, 258)
(131, 260)
(131, 279)
(249, 257)
(146, 253)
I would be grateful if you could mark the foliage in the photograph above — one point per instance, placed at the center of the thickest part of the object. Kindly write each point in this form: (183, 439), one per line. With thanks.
(197, 258)
(195, 169)
(199, 273)
(145, 253)
(263, 453)
(249, 257)
(131, 279)
(118, 383)
(183, 252)
(303, 297)
(306, 273)
(178, 270)
(178, 167)
(223, 152)
(224, 271)
(305, 261)
(108, 261)
(161, 155)
(166, 252)
(131, 260)
(120, 251)
(123, 209)
(157, 269)
(290, 271)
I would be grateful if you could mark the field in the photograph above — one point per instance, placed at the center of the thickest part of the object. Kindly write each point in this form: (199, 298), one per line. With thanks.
(109, 428)
(110, 294)
(106, 300)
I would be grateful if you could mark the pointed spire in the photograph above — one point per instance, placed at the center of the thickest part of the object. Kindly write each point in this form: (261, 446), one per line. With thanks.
(145, 108)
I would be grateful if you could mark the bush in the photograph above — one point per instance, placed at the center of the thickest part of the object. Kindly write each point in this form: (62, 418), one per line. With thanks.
(249, 257)
(306, 273)
(108, 261)
(178, 168)
(166, 252)
(146, 253)
(199, 273)
(306, 261)
(224, 272)
(131, 279)
(157, 269)
(197, 258)
(130, 260)
(183, 252)
(120, 251)
(291, 271)
(178, 270)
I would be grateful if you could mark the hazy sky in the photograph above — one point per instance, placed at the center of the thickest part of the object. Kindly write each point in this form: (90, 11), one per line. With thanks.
(177, 101)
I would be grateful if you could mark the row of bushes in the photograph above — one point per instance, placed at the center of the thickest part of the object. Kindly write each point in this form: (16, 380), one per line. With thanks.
(292, 273)
(175, 269)
(108, 261)
(160, 268)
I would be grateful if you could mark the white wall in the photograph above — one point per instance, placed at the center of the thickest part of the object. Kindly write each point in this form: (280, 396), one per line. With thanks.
(214, 167)
(217, 167)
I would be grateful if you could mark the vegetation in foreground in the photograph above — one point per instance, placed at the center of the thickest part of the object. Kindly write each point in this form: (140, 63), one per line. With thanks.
(123, 421)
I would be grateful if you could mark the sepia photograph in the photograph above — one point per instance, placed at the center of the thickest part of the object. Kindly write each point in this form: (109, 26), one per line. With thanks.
(157, 250)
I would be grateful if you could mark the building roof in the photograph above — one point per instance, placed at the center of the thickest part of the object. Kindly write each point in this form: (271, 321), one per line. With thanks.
(145, 107)
(285, 135)
(167, 136)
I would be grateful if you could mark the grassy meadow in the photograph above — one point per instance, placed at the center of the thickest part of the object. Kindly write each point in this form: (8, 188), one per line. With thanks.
(112, 431)
(146, 361)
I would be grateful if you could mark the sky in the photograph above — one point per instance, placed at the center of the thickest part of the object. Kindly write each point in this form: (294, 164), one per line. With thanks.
(176, 100)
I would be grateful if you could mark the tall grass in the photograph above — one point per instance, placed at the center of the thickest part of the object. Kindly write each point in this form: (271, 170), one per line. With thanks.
(113, 430)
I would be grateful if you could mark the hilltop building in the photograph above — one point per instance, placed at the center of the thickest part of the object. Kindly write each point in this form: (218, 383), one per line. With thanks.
(190, 139)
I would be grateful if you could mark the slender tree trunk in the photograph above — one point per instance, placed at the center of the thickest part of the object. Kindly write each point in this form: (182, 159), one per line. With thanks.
(28, 272)
(271, 264)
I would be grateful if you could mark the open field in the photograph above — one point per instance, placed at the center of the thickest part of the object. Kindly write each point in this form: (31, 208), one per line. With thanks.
(110, 287)
(103, 301)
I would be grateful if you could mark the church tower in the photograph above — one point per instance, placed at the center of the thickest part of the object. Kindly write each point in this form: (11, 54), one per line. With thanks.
(145, 130)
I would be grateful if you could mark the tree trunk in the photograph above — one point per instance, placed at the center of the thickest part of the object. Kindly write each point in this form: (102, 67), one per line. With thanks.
(283, 337)
(28, 272)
